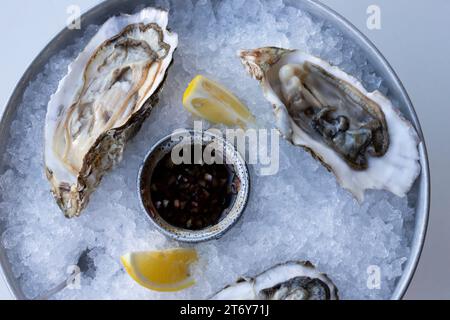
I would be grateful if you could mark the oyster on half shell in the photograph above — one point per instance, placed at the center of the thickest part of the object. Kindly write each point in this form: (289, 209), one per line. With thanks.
(358, 135)
(108, 92)
(289, 281)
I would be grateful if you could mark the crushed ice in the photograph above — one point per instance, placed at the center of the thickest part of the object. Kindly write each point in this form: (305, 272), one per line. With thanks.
(305, 215)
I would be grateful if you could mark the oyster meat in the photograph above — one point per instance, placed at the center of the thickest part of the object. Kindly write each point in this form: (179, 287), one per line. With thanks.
(289, 281)
(108, 92)
(357, 135)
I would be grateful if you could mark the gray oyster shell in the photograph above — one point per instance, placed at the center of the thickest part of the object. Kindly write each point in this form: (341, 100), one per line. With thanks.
(288, 281)
(357, 135)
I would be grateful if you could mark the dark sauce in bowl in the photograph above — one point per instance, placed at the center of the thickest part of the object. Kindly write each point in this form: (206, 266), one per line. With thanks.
(192, 196)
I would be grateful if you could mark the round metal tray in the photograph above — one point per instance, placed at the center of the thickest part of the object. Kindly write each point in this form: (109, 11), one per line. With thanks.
(419, 195)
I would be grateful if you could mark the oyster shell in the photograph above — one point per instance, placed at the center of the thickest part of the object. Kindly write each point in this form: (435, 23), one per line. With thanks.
(357, 135)
(289, 281)
(108, 92)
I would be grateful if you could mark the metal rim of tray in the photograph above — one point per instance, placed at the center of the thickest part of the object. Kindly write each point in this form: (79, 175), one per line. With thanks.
(107, 8)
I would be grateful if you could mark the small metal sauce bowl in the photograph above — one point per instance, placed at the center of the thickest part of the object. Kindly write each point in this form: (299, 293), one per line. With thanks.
(229, 217)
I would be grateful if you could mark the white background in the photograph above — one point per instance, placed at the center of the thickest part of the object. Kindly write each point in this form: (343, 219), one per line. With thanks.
(414, 39)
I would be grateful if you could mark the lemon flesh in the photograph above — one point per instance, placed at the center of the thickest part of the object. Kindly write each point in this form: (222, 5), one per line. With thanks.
(164, 271)
(211, 101)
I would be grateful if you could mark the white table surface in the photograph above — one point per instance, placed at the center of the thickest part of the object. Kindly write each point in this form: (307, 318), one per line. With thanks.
(414, 39)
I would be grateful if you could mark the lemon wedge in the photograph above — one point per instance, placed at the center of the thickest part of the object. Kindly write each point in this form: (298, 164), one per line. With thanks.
(211, 101)
(164, 271)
